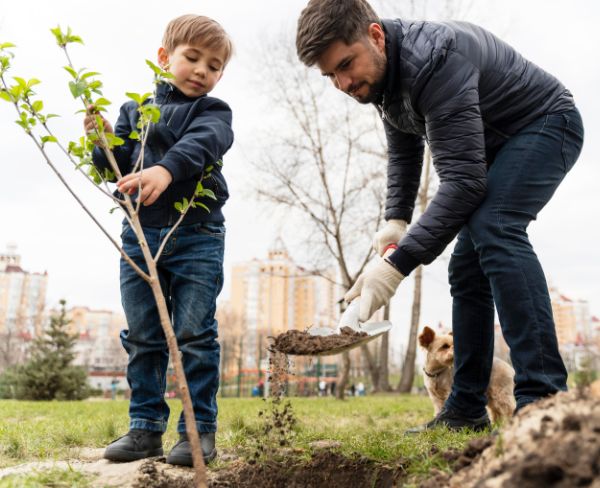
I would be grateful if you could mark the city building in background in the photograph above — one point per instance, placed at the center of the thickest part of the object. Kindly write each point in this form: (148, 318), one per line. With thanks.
(22, 296)
(273, 295)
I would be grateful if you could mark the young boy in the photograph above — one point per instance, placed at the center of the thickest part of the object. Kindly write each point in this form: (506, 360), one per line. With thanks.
(194, 132)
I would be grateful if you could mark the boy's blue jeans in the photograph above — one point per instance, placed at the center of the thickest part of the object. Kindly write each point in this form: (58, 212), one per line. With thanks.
(191, 276)
(494, 263)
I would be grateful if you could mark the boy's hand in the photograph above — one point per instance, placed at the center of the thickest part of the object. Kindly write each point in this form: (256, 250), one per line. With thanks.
(153, 182)
(90, 125)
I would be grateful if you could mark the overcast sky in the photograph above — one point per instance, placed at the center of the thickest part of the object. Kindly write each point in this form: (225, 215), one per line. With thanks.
(53, 234)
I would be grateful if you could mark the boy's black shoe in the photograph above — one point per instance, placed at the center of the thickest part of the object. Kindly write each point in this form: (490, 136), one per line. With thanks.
(136, 444)
(453, 421)
(181, 454)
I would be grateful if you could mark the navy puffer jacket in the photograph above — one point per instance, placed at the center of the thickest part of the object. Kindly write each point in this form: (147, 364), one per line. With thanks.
(192, 134)
(465, 92)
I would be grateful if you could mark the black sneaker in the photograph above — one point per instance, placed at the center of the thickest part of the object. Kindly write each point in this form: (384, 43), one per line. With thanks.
(136, 444)
(181, 454)
(453, 421)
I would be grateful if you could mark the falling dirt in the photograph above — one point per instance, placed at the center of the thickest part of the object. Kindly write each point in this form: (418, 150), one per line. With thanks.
(303, 343)
(553, 443)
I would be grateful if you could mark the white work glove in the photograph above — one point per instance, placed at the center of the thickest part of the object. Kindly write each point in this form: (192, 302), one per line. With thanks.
(375, 287)
(390, 233)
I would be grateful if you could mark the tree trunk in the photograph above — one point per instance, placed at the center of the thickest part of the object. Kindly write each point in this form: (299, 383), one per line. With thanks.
(408, 368)
(344, 375)
(384, 354)
(372, 368)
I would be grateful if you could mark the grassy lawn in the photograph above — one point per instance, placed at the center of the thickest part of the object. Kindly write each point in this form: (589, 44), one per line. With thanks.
(372, 426)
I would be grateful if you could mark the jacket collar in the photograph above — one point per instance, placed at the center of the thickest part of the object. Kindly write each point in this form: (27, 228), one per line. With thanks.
(168, 93)
(393, 40)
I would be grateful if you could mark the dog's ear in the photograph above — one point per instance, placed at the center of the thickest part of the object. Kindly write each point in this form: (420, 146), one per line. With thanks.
(450, 333)
(426, 337)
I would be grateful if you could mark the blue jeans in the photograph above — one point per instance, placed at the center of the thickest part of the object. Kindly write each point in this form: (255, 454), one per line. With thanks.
(494, 263)
(191, 276)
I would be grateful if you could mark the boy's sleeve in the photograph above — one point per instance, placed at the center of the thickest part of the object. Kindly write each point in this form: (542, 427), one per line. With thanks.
(122, 153)
(205, 141)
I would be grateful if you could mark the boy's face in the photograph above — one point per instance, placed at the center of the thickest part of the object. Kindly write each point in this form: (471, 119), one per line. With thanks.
(196, 69)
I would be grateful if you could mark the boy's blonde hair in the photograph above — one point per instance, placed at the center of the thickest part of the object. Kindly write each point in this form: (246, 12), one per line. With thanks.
(198, 30)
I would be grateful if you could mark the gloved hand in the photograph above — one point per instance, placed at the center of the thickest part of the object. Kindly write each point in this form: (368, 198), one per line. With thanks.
(390, 233)
(375, 287)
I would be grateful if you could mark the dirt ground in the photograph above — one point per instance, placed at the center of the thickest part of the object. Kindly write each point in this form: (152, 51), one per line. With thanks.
(554, 443)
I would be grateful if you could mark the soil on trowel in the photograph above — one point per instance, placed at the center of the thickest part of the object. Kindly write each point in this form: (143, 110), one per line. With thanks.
(552, 443)
(299, 342)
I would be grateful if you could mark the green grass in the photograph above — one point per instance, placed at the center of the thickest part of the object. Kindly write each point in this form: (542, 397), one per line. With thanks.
(372, 426)
(55, 478)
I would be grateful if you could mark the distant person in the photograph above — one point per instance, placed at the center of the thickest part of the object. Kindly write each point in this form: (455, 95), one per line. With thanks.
(322, 388)
(113, 388)
(194, 132)
(503, 133)
(352, 390)
(360, 389)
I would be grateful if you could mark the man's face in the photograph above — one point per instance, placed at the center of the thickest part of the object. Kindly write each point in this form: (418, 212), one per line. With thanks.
(196, 69)
(357, 69)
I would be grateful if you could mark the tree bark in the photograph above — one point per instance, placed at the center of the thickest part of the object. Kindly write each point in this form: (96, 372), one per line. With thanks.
(408, 368)
(344, 375)
(372, 367)
(384, 355)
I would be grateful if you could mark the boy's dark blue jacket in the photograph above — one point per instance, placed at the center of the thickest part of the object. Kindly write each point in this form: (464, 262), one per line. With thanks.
(192, 134)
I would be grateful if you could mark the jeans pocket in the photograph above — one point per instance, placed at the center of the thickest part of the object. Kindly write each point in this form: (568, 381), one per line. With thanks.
(212, 229)
(572, 140)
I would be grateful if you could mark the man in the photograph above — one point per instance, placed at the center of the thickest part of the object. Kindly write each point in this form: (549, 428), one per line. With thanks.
(503, 133)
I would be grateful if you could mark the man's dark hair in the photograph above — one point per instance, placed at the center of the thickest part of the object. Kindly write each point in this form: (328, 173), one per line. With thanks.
(323, 22)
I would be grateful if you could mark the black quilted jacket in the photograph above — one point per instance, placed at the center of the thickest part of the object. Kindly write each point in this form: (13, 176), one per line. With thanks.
(465, 92)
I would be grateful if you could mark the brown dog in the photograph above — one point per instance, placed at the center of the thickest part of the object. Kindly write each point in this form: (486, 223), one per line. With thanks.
(439, 373)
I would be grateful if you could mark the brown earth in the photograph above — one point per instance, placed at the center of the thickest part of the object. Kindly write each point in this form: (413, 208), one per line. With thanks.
(553, 443)
(325, 468)
(298, 342)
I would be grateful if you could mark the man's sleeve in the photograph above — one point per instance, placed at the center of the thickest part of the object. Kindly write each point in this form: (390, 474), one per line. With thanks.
(405, 161)
(122, 153)
(205, 141)
(449, 102)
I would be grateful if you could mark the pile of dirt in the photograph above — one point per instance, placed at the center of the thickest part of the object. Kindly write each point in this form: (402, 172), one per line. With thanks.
(552, 443)
(300, 343)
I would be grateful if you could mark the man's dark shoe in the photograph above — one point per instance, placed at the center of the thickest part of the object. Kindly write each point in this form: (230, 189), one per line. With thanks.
(453, 421)
(181, 454)
(136, 444)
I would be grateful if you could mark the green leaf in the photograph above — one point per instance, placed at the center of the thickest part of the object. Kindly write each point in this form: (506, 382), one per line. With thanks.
(199, 188)
(200, 204)
(111, 211)
(37, 106)
(220, 162)
(77, 88)
(157, 69)
(135, 135)
(32, 82)
(101, 102)
(88, 74)
(21, 82)
(4, 95)
(179, 207)
(209, 193)
(136, 97)
(186, 203)
(51, 116)
(6, 45)
(71, 71)
(46, 139)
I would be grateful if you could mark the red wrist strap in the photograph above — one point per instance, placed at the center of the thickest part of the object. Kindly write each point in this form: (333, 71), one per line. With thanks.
(390, 246)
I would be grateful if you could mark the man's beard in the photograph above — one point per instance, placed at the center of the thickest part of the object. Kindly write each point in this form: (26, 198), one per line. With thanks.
(375, 88)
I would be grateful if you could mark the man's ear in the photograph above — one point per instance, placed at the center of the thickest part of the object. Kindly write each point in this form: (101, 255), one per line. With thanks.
(377, 36)
(163, 58)
(426, 337)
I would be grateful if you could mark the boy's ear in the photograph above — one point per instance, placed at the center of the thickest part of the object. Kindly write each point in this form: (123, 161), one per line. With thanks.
(163, 57)
(426, 337)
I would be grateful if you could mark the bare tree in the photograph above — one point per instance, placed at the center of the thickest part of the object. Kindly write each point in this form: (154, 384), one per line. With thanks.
(319, 165)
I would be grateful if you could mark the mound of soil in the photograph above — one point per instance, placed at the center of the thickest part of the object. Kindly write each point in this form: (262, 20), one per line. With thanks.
(298, 342)
(552, 443)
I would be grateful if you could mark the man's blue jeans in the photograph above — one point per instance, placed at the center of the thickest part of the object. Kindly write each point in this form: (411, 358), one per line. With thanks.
(494, 263)
(191, 275)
